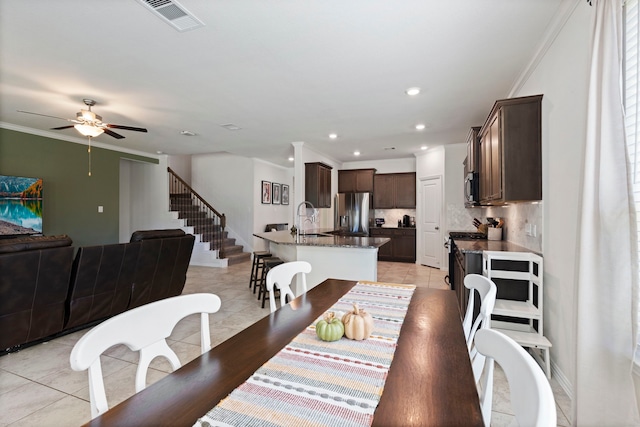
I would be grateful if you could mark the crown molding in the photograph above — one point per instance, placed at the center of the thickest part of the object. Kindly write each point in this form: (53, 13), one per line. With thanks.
(565, 11)
(76, 140)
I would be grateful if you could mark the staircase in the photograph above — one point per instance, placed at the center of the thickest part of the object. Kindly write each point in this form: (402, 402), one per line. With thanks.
(206, 224)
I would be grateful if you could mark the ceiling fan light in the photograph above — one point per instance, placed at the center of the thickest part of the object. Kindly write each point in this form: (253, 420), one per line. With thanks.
(88, 130)
(86, 115)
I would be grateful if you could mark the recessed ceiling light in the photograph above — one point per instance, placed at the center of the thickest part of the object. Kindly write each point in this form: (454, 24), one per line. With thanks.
(413, 91)
(424, 147)
(333, 135)
(420, 126)
(356, 153)
(231, 126)
(291, 159)
(187, 133)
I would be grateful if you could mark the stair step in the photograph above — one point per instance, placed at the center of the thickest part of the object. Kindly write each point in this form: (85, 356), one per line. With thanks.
(238, 258)
(233, 249)
(208, 229)
(212, 237)
(180, 195)
(183, 208)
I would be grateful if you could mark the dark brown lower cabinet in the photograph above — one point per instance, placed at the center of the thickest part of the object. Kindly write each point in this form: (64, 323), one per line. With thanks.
(461, 264)
(401, 248)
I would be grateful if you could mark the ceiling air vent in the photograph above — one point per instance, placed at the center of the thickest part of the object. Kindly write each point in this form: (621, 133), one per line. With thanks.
(173, 13)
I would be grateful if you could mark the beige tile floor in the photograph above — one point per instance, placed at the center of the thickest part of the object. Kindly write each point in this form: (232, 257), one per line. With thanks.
(38, 388)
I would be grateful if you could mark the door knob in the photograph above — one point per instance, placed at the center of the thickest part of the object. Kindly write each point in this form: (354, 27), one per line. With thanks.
(437, 228)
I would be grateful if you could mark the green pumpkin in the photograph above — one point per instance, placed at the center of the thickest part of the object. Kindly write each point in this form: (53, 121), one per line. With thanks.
(330, 328)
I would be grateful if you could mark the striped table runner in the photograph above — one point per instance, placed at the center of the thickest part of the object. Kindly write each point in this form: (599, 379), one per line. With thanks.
(311, 382)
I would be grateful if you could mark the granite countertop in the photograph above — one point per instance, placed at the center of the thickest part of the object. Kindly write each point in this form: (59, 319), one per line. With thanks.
(476, 246)
(322, 238)
(392, 227)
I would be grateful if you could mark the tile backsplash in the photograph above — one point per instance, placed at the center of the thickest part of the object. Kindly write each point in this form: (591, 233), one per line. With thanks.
(518, 217)
(391, 216)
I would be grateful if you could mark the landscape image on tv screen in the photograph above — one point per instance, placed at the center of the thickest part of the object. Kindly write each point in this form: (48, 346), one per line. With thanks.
(20, 205)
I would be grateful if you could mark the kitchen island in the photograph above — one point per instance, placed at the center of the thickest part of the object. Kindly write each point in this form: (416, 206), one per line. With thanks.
(330, 256)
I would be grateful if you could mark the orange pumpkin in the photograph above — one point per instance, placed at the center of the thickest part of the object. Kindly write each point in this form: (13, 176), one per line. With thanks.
(358, 324)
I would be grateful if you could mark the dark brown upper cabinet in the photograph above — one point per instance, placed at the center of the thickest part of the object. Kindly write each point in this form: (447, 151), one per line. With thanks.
(355, 180)
(317, 184)
(510, 162)
(394, 190)
(473, 148)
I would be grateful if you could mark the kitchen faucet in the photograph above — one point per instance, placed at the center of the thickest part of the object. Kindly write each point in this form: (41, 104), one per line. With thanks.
(313, 216)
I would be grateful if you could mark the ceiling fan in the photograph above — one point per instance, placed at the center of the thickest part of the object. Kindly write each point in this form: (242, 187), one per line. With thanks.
(89, 123)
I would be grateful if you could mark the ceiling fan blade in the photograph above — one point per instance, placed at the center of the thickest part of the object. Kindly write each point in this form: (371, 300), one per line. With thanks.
(113, 134)
(46, 115)
(126, 128)
(62, 127)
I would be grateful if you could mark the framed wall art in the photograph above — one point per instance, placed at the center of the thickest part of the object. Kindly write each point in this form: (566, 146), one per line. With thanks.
(285, 194)
(266, 192)
(275, 193)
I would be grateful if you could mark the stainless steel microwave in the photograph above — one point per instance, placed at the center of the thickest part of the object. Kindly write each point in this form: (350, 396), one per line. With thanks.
(471, 189)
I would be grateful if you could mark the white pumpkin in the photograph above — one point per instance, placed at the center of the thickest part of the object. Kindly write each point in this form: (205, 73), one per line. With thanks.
(358, 324)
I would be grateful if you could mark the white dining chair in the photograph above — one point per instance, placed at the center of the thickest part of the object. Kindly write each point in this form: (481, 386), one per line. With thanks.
(487, 292)
(281, 277)
(482, 371)
(142, 329)
(531, 395)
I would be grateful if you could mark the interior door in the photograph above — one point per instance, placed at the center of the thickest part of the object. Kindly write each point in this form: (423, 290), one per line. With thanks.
(431, 206)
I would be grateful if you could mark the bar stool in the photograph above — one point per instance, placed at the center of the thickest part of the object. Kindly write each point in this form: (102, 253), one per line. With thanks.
(257, 267)
(269, 263)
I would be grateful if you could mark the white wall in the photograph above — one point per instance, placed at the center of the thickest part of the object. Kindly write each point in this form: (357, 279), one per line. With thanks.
(147, 197)
(561, 76)
(181, 165)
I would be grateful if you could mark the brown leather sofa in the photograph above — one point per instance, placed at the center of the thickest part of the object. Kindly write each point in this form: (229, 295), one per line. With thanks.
(45, 292)
(34, 281)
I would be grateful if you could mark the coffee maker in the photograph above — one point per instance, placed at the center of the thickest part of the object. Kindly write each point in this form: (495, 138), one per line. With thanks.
(406, 221)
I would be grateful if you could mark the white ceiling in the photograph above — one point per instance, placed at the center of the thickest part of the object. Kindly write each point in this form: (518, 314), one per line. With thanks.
(282, 71)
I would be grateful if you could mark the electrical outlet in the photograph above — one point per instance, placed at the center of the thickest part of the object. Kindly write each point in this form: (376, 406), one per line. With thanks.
(534, 230)
(527, 229)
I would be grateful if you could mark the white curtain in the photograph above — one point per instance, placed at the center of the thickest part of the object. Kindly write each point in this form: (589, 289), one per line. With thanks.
(606, 292)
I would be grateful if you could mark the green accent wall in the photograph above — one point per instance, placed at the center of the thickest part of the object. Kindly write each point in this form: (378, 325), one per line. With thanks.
(70, 197)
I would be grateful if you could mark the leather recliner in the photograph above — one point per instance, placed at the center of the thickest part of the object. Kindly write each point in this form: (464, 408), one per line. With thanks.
(101, 282)
(161, 271)
(110, 279)
(34, 280)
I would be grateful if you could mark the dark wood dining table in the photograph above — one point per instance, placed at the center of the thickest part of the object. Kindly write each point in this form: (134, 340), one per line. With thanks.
(430, 382)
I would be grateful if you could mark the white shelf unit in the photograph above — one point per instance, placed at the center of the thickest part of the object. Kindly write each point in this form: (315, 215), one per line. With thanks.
(521, 270)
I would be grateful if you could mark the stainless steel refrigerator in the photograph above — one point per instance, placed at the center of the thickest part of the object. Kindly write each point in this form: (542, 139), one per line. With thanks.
(353, 213)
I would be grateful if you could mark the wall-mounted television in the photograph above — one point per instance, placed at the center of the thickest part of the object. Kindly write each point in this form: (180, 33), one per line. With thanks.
(20, 205)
